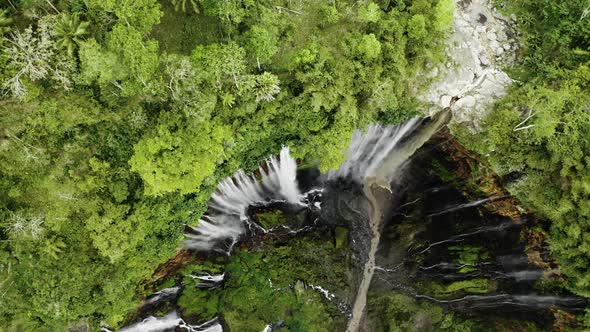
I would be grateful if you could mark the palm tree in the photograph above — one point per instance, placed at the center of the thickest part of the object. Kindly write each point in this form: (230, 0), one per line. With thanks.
(181, 5)
(4, 21)
(69, 31)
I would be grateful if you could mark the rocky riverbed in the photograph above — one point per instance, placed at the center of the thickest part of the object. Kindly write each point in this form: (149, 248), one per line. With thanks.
(483, 43)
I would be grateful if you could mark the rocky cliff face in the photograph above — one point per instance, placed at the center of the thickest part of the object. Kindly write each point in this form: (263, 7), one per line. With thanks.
(483, 42)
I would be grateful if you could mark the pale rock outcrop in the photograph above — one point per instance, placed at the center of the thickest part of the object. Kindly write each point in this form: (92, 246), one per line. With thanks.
(483, 42)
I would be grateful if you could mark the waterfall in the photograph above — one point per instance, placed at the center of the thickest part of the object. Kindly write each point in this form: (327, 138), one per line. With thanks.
(377, 153)
(374, 159)
(164, 294)
(227, 215)
(207, 280)
(367, 150)
(155, 324)
(170, 322)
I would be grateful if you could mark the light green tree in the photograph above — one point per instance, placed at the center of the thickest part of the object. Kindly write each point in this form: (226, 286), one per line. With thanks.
(179, 157)
(369, 13)
(369, 47)
(444, 15)
(141, 14)
(417, 27)
(261, 44)
(138, 56)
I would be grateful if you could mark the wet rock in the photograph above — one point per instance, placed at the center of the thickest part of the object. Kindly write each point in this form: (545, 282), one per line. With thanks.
(484, 60)
(445, 101)
(465, 102)
(482, 19)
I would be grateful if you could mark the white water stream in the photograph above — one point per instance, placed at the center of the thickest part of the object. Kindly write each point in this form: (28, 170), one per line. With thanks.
(227, 218)
(374, 158)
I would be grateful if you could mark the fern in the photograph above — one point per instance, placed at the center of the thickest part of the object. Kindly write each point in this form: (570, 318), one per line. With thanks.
(182, 5)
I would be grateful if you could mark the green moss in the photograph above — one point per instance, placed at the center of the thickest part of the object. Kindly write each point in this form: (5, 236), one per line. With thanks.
(456, 288)
(168, 283)
(398, 312)
(341, 237)
(259, 289)
(203, 303)
(474, 286)
(467, 254)
(271, 219)
(443, 172)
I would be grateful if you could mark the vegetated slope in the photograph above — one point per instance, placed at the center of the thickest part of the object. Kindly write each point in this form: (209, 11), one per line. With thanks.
(111, 139)
(539, 135)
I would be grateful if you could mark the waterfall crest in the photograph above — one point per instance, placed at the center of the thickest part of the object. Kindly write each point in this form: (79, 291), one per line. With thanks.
(227, 215)
(367, 150)
(376, 154)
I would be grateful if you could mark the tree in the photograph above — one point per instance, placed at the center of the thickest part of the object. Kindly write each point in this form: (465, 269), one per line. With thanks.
(230, 12)
(261, 44)
(179, 156)
(218, 62)
(141, 14)
(139, 57)
(33, 55)
(329, 14)
(369, 13)
(265, 87)
(5, 20)
(68, 32)
(99, 65)
(417, 27)
(369, 47)
(187, 90)
(23, 227)
(444, 15)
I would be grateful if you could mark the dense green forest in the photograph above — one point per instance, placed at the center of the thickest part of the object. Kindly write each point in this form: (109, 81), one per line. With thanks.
(119, 117)
(538, 137)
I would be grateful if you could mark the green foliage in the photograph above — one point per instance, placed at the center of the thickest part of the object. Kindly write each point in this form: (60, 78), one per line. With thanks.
(181, 5)
(397, 312)
(5, 20)
(370, 13)
(260, 43)
(271, 219)
(417, 27)
(259, 288)
(69, 31)
(179, 156)
(329, 14)
(369, 47)
(141, 14)
(138, 57)
(444, 15)
(98, 65)
(540, 132)
(457, 289)
(119, 117)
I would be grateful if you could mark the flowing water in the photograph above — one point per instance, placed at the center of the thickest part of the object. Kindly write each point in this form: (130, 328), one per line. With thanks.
(227, 218)
(375, 161)
(405, 229)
